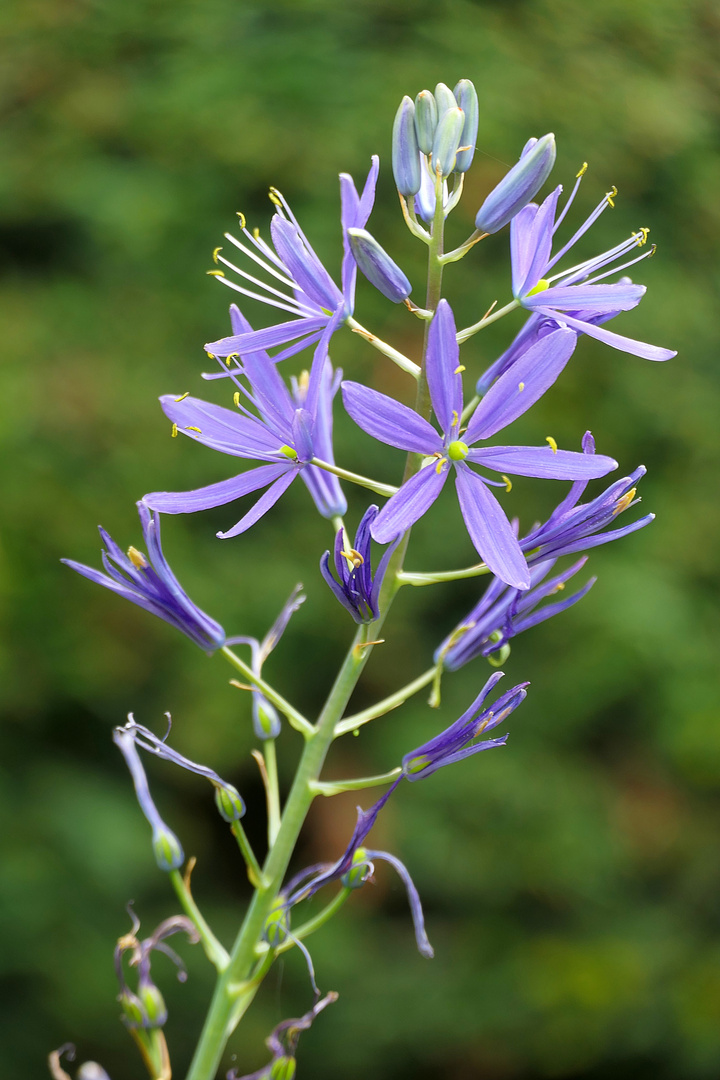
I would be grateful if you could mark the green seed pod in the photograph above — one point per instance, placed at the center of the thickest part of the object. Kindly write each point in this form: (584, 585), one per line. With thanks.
(277, 923)
(283, 1068)
(359, 872)
(229, 802)
(167, 849)
(153, 1004)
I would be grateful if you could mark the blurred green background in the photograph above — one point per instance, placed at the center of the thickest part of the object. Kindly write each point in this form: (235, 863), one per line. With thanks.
(571, 881)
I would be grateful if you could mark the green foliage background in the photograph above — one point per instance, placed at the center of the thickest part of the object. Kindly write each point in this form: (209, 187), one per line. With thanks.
(571, 881)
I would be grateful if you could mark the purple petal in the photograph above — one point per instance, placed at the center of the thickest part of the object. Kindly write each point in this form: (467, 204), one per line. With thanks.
(256, 340)
(204, 498)
(530, 243)
(219, 428)
(423, 944)
(589, 297)
(443, 359)
(522, 385)
(389, 421)
(304, 266)
(263, 504)
(615, 341)
(409, 504)
(490, 530)
(542, 461)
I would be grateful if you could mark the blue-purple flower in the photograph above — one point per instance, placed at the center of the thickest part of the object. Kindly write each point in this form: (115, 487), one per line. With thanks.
(464, 738)
(575, 297)
(148, 581)
(266, 722)
(512, 394)
(287, 432)
(308, 291)
(358, 589)
(503, 612)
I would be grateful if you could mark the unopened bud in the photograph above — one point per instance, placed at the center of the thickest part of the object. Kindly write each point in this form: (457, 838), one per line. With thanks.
(378, 267)
(467, 99)
(283, 1068)
(90, 1070)
(405, 149)
(447, 141)
(359, 872)
(229, 802)
(167, 849)
(517, 187)
(266, 722)
(445, 98)
(426, 118)
(277, 923)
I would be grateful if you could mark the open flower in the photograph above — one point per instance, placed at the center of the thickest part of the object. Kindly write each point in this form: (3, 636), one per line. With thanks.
(393, 423)
(358, 589)
(309, 293)
(575, 297)
(149, 582)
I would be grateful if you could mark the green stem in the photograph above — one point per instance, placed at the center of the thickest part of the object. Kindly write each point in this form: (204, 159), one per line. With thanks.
(255, 874)
(398, 358)
(319, 920)
(443, 575)
(355, 478)
(352, 723)
(214, 951)
(337, 787)
(468, 332)
(295, 718)
(273, 791)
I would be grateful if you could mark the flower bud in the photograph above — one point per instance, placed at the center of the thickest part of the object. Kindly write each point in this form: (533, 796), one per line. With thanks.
(90, 1070)
(359, 872)
(426, 118)
(277, 923)
(167, 848)
(229, 802)
(517, 187)
(378, 267)
(467, 99)
(283, 1068)
(447, 140)
(445, 98)
(266, 722)
(405, 149)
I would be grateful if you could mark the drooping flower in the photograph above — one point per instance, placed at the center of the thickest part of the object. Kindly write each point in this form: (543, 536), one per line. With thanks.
(266, 722)
(503, 612)
(397, 425)
(308, 291)
(229, 800)
(575, 297)
(166, 846)
(149, 582)
(358, 589)
(287, 433)
(460, 740)
(147, 1008)
(283, 1043)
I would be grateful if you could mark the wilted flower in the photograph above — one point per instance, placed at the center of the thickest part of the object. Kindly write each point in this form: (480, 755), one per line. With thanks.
(358, 589)
(283, 1043)
(146, 1008)
(166, 846)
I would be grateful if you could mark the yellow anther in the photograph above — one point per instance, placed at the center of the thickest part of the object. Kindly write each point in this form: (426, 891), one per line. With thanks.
(227, 361)
(236, 398)
(508, 481)
(521, 386)
(304, 381)
(137, 558)
(551, 443)
(353, 557)
(642, 235)
(583, 170)
(183, 396)
(173, 431)
(651, 252)
(216, 252)
(241, 218)
(215, 273)
(458, 369)
(610, 196)
(441, 462)
(275, 197)
(559, 587)
(191, 428)
(481, 727)
(211, 356)
(624, 502)
(456, 418)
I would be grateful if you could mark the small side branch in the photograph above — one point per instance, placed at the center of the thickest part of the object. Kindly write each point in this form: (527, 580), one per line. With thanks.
(352, 723)
(295, 718)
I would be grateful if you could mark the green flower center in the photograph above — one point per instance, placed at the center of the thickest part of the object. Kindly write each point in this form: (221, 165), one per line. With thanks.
(541, 286)
(458, 450)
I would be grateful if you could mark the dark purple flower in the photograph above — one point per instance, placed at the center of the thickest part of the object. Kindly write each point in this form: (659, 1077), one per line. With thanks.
(149, 582)
(460, 739)
(283, 1043)
(512, 394)
(166, 846)
(308, 291)
(266, 722)
(289, 430)
(575, 298)
(358, 589)
(504, 612)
